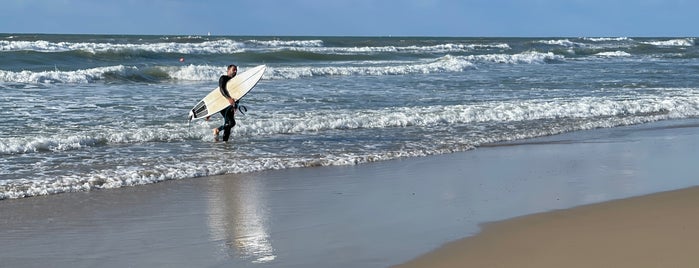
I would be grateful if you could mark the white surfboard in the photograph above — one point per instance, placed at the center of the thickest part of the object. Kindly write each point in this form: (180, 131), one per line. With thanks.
(237, 87)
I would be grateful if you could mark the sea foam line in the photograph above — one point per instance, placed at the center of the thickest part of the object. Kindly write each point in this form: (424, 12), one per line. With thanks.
(50, 77)
(347, 120)
(211, 73)
(441, 65)
(216, 47)
(227, 46)
(684, 42)
(139, 175)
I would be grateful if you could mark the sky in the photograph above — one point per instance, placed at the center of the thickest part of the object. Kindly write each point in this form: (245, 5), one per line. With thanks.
(457, 18)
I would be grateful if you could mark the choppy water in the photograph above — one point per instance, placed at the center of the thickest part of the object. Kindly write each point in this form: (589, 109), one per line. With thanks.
(81, 112)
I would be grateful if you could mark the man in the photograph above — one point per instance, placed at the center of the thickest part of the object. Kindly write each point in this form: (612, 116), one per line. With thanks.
(229, 112)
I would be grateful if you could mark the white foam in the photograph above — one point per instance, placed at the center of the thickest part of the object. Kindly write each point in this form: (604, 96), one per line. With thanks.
(684, 42)
(507, 112)
(93, 137)
(443, 64)
(612, 54)
(556, 116)
(196, 72)
(288, 43)
(216, 47)
(606, 39)
(562, 42)
(92, 75)
(226, 46)
(530, 57)
(75, 77)
(679, 106)
(140, 175)
(441, 48)
(211, 73)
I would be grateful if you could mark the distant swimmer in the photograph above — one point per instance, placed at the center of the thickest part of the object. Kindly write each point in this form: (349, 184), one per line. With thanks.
(229, 112)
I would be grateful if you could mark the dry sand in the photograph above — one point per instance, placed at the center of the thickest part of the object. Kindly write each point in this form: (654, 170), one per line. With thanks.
(658, 230)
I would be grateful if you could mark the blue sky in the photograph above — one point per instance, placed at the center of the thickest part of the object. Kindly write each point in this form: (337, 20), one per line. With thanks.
(507, 18)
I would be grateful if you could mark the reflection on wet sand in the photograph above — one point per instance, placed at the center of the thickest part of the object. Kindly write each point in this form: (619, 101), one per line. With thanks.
(238, 217)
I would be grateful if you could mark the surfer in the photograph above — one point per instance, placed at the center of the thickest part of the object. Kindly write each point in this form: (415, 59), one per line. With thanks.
(229, 112)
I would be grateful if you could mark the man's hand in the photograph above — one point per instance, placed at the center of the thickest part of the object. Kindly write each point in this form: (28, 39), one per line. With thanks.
(231, 101)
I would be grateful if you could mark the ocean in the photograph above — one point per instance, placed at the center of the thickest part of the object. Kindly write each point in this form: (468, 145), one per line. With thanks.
(85, 112)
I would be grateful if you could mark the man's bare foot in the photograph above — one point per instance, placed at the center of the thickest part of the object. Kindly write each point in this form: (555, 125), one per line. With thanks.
(215, 134)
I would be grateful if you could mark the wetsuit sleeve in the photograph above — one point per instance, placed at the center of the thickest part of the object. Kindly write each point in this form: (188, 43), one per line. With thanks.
(222, 85)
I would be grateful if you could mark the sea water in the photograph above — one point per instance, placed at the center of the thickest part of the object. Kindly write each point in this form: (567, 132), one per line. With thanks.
(82, 112)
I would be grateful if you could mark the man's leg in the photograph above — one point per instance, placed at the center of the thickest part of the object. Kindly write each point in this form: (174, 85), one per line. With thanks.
(230, 123)
(227, 132)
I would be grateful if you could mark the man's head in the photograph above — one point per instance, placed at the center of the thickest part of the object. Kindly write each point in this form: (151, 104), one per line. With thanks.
(232, 70)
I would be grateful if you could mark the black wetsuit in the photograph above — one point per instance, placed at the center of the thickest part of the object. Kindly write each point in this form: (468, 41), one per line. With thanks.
(229, 112)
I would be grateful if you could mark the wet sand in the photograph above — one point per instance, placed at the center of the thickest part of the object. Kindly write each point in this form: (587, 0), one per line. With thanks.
(381, 214)
(658, 230)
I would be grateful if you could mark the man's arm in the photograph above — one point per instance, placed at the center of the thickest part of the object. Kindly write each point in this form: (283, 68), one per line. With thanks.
(222, 86)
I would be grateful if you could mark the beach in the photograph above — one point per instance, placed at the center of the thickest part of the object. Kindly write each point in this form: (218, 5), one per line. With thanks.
(391, 212)
(650, 231)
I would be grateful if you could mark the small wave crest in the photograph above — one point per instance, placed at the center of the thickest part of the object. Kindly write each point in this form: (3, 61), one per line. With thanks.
(606, 39)
(288, 43)
(446, 63)
(534, 118)
(613, 54)
(138, 175)
(191, 72)
(227, 46)
(207, 47)
(441, 48)
(293, 123)
(515, 111)
(53, 77)
(530, 57)
(101, 136)
(684, 42)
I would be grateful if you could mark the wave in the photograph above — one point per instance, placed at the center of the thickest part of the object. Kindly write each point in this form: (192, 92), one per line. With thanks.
(74, 77)
(441, 48)
(443, 64)
(211, 73)
(618, 42)
(607, 39)
(590, 44)
(297, 123)
(117, 73)
(138, 175)
(534, 118)
(563, 42)
(227, 46)
(684, 42)
(207, 47)
(287, 43)
(612, 54)
(530, 57)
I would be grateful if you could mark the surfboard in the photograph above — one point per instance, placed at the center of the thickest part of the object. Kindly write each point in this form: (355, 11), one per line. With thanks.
(237, 87)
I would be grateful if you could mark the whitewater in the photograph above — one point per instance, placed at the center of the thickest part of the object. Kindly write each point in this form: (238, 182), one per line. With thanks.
(85, 112)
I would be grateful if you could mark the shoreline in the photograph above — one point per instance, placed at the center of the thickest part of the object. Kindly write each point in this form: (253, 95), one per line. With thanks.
(370, 215)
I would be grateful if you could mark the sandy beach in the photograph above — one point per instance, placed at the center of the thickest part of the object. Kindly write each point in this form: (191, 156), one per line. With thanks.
(510, 203)
(650, 231)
